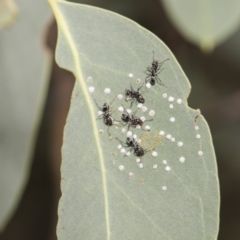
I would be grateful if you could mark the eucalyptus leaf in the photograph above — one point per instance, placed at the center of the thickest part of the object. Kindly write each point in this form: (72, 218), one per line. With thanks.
(24, 68)
(204, 23)
(171, 192)
(8, 12)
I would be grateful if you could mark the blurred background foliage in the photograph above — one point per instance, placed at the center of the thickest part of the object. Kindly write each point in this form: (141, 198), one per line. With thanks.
(8, 13)
(215, 79)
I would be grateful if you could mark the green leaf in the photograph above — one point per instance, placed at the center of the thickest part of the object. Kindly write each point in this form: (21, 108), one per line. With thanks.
(24, 69)
(106, 195)
(203, 22)
(8, 12)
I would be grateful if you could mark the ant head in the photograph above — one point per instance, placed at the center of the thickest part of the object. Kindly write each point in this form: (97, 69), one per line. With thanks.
(141, 99)
(129, 142)
(128, 93)
(105, 107)
(125, 117)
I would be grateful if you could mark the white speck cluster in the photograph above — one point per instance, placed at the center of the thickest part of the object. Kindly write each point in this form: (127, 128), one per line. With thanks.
(171, 105)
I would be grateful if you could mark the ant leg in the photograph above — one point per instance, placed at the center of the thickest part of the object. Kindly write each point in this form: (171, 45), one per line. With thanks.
(164, 61)
(124, 144)
(111, 102)
(147, 79)
(109, 134)
(132, 103)
(146, 130)
(97, 104)
(99, 117)
(130, 150)
(160, 81)
(148, 120)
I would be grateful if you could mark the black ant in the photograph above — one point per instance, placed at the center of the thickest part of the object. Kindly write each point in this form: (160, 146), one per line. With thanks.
(153, 72)
(132, 95)
(132, 121)
(133, 144)
(106, 115)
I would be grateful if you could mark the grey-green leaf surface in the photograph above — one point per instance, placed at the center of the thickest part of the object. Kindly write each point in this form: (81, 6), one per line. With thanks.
(203, 22)
(174, 195)
(8, 12)
(24, 69)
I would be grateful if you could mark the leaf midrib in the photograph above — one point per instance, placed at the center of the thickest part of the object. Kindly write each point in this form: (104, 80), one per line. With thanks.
(63, 26)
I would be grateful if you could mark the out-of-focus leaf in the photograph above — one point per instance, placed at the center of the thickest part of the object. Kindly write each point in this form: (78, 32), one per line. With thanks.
(23, 74)
(8, 12)
(203, 22)
(174, 195)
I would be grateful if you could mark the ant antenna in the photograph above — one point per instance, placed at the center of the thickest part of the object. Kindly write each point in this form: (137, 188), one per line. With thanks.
(153, 55)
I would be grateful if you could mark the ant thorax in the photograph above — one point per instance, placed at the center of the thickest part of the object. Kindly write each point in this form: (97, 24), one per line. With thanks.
(135, 122)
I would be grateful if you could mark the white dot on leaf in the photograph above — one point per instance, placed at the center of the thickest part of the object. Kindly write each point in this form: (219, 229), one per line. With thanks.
(107, 90)
(91, 89)
(161, 133)
(200, 153)
(121, 167)
(130, 75)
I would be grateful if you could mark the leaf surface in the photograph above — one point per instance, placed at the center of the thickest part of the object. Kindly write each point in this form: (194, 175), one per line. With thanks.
(205, 23)
(174, 195)
(23, 74)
